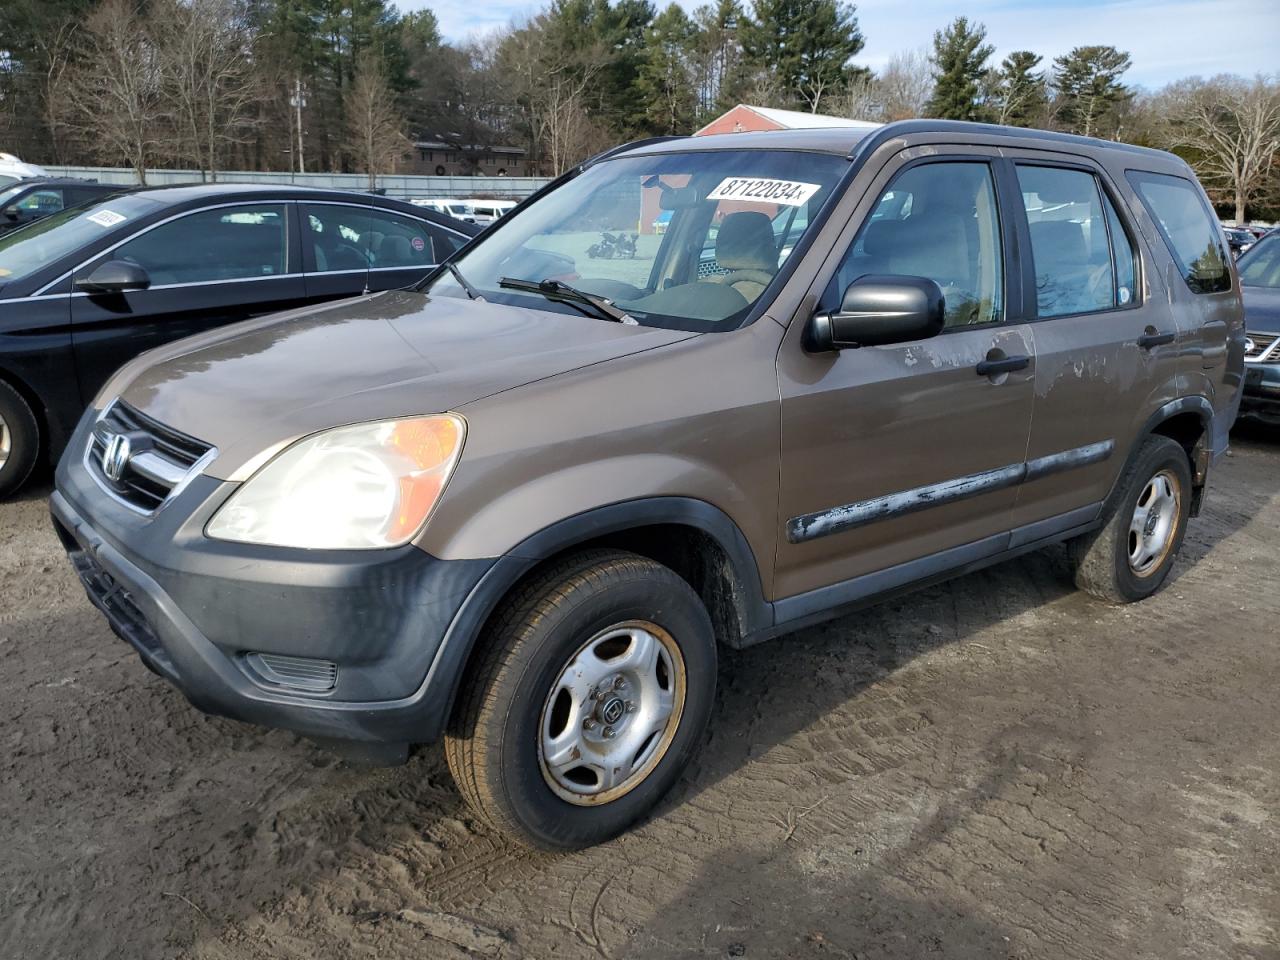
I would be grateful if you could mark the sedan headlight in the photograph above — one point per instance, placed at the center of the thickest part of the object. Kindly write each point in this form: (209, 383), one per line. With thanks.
(361, 487)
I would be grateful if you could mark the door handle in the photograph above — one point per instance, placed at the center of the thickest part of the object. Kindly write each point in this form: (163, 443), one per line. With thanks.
(1149, 340)
(993, 367)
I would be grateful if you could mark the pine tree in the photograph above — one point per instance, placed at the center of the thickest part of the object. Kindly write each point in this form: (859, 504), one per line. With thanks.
(666, 75)
(959, 65)
(804, 45)
(1021, 99)
(1088, 88)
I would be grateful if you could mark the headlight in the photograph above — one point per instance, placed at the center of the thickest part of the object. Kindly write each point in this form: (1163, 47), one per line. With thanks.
(352, 488)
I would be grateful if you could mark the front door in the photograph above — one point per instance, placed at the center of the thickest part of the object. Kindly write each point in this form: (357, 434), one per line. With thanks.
(902, 460)
(207, 268)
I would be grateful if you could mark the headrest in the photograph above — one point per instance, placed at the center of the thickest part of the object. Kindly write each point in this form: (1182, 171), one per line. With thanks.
(745, 242)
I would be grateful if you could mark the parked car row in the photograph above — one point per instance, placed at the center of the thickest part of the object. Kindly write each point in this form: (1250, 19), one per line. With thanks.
(518, 503)
(89, 287)
(1260, 285)
(26, 201)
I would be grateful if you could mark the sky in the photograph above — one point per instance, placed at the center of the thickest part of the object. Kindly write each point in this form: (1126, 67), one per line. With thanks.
(1168, 39)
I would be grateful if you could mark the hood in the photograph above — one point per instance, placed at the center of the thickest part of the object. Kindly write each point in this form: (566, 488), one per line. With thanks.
(1261, 309)
(248, 388)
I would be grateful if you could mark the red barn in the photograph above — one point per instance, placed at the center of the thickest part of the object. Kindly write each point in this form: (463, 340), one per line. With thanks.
(744, 118)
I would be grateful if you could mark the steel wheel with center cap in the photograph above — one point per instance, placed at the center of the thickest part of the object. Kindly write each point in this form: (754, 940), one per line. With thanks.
(589, 695)
(1130, 555)
(19, 440)
(612, 713)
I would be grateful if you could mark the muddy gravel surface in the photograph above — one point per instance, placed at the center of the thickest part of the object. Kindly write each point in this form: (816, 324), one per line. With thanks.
(995, 767)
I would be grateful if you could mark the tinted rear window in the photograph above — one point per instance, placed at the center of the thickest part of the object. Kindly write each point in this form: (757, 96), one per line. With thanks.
(1189, 229)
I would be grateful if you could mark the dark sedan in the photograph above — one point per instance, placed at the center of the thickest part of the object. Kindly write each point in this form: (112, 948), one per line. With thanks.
(86, 289)
(1260, 281)
(26, 201)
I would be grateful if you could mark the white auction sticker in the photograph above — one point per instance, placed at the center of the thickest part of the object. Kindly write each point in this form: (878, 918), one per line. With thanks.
(790, 193)
(106, 218)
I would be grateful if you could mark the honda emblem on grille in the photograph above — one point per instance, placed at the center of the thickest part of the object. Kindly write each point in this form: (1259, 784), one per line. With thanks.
(116, 457)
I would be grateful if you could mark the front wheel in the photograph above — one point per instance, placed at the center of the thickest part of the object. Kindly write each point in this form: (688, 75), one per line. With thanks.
(587, 699)
(19, 440)
(1129, 557)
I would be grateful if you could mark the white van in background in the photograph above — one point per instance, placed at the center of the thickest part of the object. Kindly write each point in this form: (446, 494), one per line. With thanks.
(12, 169)
(450, 206)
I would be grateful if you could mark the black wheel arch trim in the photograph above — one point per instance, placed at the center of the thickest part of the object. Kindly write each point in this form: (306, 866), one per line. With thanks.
(447, 669)
(1191, 404)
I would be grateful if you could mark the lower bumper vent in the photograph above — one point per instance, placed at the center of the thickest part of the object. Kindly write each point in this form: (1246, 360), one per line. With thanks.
(297, 673)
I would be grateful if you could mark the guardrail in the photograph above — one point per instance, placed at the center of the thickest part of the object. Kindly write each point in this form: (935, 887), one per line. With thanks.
(506, 188)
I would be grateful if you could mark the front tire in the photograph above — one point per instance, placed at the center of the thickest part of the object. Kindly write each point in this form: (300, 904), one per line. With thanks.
(1129, 557)
(19, 440)
(587, 698)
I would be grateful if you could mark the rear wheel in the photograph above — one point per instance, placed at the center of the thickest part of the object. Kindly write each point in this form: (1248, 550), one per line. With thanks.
(1131, 554)
(19, 440)
(588, 698)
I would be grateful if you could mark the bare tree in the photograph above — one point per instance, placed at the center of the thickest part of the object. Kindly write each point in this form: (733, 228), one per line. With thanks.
(1231, 129)
(115, 89)
(862, 99)
(554, 81)
(905, 85)
(58, 49)
(375, 128)
(209, 83)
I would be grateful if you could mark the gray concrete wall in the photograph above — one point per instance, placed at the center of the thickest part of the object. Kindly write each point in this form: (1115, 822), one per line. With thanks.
(513, 188)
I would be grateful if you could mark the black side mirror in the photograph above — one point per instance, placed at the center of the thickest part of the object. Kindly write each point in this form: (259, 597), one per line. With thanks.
(12, 212)
(879, 310)
(114, 276)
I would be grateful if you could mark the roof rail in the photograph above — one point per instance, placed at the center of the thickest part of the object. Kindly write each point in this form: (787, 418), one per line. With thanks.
(613, 151)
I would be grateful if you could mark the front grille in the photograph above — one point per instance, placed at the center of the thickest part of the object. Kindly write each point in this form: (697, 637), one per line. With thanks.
(1261, 345)
(159, 457)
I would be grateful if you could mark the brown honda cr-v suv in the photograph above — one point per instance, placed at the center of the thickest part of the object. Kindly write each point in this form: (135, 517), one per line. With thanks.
(518, 506)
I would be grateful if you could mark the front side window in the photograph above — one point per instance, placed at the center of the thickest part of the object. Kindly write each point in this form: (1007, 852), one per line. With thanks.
(41, 202)
(226, 243)
(939, 221)
(683, 240)
(1260, 267)
(1188, 227)
(1070, 245)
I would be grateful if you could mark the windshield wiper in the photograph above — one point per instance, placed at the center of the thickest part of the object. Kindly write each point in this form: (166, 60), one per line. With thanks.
(467, 288)
(555, 290)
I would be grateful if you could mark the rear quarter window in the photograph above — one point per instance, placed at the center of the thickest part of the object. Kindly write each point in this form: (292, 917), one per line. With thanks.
(1188, 228)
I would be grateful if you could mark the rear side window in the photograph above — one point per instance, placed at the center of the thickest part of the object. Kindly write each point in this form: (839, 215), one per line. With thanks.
(1188, 227)
(1082, 255)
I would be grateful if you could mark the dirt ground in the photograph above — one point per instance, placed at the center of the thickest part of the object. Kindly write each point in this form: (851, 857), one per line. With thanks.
(996, 767)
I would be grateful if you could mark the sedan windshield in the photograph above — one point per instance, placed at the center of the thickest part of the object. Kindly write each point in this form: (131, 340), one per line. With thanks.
(35, 246)
(683, 240)
(1260, 267)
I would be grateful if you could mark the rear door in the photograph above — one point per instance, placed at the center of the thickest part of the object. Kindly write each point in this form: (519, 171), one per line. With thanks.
(1107, 344)
(902, 460)
(208, 268)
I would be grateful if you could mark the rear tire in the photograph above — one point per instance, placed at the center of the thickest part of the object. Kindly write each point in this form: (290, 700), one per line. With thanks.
(587, 697)
(19, 440)
(1129, 557)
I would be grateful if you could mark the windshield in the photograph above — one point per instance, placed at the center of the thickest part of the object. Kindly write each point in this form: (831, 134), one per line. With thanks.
(1260, 267)
(684, 240)
(38, 244)
(8, 193)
